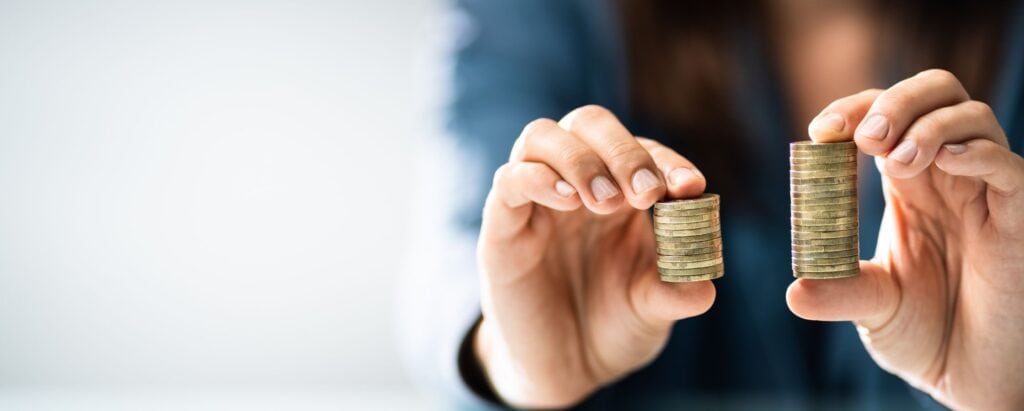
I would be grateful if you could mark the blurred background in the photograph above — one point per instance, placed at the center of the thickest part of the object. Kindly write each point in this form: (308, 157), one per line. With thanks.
(201, 204)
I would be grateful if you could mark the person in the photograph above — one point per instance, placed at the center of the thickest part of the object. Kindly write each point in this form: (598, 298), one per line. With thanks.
(588, 112)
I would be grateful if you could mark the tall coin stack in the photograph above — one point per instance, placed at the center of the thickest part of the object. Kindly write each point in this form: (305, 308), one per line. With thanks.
(688, 234)
(823, 195)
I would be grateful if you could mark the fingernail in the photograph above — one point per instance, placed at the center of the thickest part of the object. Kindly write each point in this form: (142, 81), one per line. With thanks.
(680, 175)
(603, 188)
(564, 189)
(956, 148)
(905, 152)
(830, 122)
(644, 180)
(875, 127)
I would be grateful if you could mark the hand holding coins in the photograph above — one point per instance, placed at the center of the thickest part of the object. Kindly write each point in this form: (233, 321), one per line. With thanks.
(939, 304)
(567, 221)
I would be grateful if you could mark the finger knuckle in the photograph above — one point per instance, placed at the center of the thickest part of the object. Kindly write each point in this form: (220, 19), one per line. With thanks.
(502, 174)
(625, 152)
(535, 173)
(979, 109)
(852, 100)
(893, 102)
(648, 144)
(588, 114)
(579, 157)
(659, 151)
(535, 127)
(534, 134)
(939, 75)
(839, 104)
(931, 127)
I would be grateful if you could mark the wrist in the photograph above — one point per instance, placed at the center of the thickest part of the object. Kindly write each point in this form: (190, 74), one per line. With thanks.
(513, 385)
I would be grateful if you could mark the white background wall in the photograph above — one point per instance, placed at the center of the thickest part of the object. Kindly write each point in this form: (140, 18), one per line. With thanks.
(204, 196)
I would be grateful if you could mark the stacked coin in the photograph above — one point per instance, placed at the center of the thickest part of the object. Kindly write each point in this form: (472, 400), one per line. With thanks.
(689, 239)
(823, 194)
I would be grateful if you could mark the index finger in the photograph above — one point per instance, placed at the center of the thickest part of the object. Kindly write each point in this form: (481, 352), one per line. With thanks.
(895, 109)
(684, 179)
(841, 117)
(630, 165)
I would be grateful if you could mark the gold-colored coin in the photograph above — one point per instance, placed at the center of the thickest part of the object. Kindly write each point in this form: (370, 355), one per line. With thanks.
(826, 260)
(824, 194)
(823, 166)
(815, 188)
(710, 211)
(814, 235)
(811, 158)
(824, 214)
(822, 207)
(679, 265)
(826, 276)
(793, 174)
(819, 217)
(823, 180)
(687, 232)
(690, 271)
(804, 261)
(832, 204)
(833, 193)
(806, 209)
(681, 241)
(811, 155)
(800, 222)
(703, 201)
(696, 252)
(688, 252)
(804, 268)
(686, 219)
(801, 146)
(686, 226)
(825, 254)
(798, 201)
(691, 278)
(839, 248)
(809, 208)
(687, 239)
(848, 242)
(825, 207)
(673, 244)
(823, 242)
(825, 228)
(710, 255)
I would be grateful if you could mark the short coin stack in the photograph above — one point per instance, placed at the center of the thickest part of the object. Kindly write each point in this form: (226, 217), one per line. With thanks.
(689, 239)
(823, 194)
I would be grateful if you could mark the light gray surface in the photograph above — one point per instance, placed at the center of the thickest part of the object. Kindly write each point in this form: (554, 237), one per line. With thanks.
(204, 193)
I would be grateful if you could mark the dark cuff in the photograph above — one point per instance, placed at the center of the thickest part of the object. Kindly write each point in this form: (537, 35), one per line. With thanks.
(471, 371)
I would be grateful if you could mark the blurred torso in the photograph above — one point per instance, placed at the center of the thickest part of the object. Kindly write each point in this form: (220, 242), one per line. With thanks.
(825, 50)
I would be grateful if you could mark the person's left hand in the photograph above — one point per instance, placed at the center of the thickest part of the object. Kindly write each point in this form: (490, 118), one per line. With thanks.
(941, 304)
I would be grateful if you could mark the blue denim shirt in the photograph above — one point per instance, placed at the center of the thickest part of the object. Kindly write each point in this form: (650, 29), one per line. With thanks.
(519, 60)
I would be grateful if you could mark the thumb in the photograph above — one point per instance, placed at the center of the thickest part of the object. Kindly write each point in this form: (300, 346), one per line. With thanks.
(870, 298)
(662, 303)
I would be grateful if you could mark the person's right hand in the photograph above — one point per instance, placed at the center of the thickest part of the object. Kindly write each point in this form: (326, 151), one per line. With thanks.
(571, 297)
